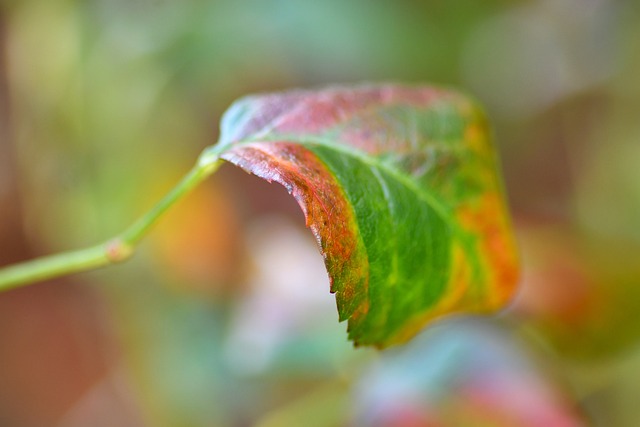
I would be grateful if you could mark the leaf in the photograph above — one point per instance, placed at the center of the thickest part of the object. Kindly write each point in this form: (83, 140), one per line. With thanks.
(400, 187)
(469, 372)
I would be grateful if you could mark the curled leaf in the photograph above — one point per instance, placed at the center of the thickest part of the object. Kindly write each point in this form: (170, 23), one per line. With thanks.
(399, 185)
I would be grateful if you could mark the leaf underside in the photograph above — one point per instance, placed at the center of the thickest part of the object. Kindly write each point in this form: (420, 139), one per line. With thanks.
(399, 185)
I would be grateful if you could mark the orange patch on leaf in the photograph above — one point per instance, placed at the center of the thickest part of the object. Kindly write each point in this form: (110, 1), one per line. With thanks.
(487, 218)
(327, 212)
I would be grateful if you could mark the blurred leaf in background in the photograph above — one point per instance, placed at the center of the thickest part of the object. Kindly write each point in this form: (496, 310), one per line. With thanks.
(464, 372)
(106, 103)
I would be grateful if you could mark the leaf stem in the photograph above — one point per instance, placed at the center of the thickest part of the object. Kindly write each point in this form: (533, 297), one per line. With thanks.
(117, 249)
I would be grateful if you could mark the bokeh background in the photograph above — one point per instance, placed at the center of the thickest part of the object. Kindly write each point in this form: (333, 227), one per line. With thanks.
(224, 317)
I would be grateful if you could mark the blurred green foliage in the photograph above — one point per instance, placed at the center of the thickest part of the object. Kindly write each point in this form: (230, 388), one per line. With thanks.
(107, 102)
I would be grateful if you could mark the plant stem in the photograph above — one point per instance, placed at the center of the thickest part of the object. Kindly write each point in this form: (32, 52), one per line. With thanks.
(113, 251)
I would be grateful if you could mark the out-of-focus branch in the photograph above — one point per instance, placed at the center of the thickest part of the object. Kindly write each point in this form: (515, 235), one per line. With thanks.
(115, 250)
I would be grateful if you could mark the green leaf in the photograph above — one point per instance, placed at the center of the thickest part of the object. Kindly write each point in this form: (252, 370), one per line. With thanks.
(399, 185)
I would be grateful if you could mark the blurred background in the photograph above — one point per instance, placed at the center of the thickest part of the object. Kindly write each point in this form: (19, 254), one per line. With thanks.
(224, 317)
